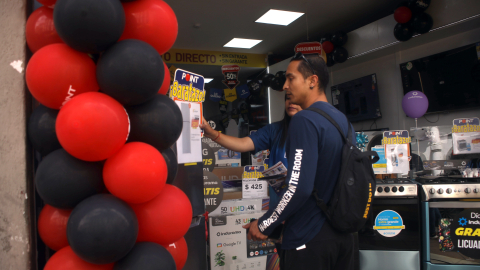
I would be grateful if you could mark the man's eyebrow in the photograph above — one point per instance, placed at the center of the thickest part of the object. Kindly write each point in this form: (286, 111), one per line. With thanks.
(289, 74)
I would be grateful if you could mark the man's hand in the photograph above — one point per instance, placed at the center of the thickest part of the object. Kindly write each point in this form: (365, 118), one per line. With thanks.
(253, 231)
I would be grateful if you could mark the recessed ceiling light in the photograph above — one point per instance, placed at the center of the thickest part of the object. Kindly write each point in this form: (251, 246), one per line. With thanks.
(207, 80)
(242, 43)
(279, 17)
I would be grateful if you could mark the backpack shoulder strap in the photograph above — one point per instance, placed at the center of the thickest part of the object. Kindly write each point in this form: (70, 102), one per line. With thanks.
(329, 118)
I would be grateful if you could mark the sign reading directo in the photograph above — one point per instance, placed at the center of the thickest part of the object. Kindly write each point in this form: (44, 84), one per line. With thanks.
(179, 56)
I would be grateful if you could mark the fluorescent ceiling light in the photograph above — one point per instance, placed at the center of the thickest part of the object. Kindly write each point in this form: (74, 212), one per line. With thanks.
(242, 43)
(207, 80)
(279, 17)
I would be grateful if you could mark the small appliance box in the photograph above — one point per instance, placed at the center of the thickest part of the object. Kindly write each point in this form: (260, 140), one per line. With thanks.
(228, 244)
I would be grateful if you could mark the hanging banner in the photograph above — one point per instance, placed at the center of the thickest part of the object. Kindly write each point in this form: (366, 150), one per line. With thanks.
(230, 73)
(188, 93)
(311, 48)
(230, 94)
(215, 94)
(180, 56)
(243, 91)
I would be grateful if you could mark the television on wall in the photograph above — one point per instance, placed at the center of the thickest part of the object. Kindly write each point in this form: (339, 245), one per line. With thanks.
(358, 99)
(450, 80)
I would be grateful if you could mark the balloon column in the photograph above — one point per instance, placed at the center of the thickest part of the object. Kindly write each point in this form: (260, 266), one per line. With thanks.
(104, 191)
(411, 18)
(333, 46)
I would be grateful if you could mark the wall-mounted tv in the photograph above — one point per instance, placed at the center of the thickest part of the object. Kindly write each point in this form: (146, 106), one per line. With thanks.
(450, 80)
(358, 99)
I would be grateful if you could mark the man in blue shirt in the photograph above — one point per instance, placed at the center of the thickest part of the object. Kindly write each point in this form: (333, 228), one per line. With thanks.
(314, 150)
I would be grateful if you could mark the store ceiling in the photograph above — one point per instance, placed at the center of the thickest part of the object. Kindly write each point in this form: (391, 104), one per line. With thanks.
(210, 24)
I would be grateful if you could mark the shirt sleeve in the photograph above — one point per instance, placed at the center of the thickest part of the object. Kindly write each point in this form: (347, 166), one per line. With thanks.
(262, 138)
(302, 155)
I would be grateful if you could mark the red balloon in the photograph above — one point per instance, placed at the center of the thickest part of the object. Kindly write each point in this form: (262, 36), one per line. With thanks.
(92, 126)
(152, 21)
(52, 226)
(40, 30)
(402, 14)
(328, 46)
(48, 3)
(166, 218)
(56, 73)
(66, 259)
(136, 174)
(166, 81)
(179, 251)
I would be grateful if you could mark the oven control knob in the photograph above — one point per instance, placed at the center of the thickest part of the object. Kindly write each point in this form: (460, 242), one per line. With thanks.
(401, 189)
(468, 190)
(449, 190)
(475, 190)
(432, 191)
(440, 191)
(387, 189)
(394, 189)
(379, 189)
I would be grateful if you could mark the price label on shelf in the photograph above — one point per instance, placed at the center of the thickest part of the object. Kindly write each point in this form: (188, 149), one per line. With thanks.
(254, 188)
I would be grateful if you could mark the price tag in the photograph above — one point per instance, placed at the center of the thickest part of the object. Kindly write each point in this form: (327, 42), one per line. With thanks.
(254, 188)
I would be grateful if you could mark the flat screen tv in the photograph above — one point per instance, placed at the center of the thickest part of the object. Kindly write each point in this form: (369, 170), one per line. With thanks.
(358, 99)
(450, 80)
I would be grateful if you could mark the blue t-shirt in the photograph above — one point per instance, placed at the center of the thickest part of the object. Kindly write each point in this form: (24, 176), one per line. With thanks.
(268, 137)
(314, 151)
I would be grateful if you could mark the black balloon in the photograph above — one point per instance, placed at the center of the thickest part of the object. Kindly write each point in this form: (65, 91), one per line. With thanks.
(172, 164)
(339, 38)
(102, 229)
(417, 6)
(157, 122)
(326, 37)
(147, 256)
(89, 26)
(267, 79)
(41, 130)
(275, 84)
(422, 23)
(340, 55)
(131, 72)
(330, 61)
(403, 32)
(63, 181)
(281, 76)
(254, 86)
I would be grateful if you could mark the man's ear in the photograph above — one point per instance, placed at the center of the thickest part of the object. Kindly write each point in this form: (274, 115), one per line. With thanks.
(313, 81)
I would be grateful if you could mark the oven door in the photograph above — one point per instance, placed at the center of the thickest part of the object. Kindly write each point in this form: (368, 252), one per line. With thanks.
(451, 234)
(391, 237)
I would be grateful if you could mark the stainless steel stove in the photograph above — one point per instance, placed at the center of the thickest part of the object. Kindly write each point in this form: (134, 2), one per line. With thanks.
(392, 234)
(396, 188)
(449, 207)
(450, 188)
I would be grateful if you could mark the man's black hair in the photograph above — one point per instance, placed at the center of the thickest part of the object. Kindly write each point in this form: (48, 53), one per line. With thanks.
(318, 65)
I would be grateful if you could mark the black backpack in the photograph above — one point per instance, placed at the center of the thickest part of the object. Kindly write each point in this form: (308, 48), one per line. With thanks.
(351, 201)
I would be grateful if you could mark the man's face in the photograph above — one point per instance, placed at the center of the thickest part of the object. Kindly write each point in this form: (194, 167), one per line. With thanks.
(296, 86)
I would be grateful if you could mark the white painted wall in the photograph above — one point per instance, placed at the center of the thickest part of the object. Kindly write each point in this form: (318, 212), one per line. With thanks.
(385, 62)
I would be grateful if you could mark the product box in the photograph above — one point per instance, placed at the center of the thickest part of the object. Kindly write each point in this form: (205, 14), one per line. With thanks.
(231, 180)
(240, 206)
(228, 243)
(227, 158)
(380, 167)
